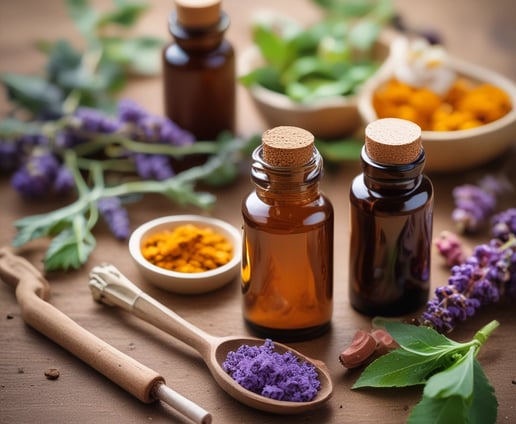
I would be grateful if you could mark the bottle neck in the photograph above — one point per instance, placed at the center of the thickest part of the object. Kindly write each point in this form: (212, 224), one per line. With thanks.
(394, 178)
(277, 184)
(202, 38)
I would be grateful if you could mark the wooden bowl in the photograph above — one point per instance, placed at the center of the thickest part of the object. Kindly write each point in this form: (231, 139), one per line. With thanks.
(328, 118)
(451, 151)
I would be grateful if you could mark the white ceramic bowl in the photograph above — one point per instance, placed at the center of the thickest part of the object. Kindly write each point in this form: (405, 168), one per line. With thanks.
(333, 117)
(451, 151)
(183, 282)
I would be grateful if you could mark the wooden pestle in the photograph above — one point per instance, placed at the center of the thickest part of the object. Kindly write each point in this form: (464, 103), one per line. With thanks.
(32, 289)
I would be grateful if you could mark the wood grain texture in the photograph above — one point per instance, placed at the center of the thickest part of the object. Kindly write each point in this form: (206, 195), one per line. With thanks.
(478, 31)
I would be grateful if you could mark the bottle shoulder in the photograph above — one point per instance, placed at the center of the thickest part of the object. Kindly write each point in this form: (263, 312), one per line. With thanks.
(223, 55)
(364, 197)
(255, 208)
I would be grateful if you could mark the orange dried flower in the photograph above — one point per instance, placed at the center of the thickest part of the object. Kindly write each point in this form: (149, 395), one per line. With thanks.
(466, 105)
(187, 248)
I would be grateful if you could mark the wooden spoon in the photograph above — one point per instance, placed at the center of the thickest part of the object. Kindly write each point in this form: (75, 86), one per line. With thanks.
(111, 287)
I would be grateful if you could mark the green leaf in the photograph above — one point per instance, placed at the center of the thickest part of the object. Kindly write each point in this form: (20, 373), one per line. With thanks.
(33, 92)
(484, 406)
(224, 175)
(11, 127)
(347, 8)
(71, 247)
(141, 55)
(480, 408)
(340, 150)
(364, 34)
(272, 46)
(183, 194)
(450, 410)
(84, 16)
(308, 42)
(41, 225)
(456, 380)
(398, 368)
(307, 66)
(62, 56)
(125, 15)
(423, 339)
(267, 76)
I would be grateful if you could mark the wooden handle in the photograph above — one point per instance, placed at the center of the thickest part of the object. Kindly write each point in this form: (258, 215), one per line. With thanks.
(109, 286)
(123, 370)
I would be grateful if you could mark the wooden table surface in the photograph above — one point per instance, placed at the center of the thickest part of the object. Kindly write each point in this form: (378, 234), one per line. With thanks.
(480, 31)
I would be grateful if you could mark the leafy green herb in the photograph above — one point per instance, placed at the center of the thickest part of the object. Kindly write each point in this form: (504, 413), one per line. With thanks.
(89, 77)
(70, 227)
(336, 151)
(455, 386)
(331, 58)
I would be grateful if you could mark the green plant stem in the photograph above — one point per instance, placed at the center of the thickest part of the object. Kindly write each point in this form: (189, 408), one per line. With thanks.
(88, 197)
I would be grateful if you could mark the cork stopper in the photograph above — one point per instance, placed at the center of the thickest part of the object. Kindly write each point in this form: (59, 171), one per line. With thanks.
(197, 13)
(287, 146)
(393, 141)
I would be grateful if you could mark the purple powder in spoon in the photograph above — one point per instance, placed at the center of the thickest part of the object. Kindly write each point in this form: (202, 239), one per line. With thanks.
(271, 374)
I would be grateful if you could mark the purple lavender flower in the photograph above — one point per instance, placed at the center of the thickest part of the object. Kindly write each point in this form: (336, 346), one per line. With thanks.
(153, 167)
(130, 111)
(115, 216)
(35, 179)
(151, 128)
(29, 141)
(9, 156)
(271, 374)
(93, 120)
(474, 204)
(170, 133)
(504, 224)
(64, 181)
(13, 152)
(483, 278)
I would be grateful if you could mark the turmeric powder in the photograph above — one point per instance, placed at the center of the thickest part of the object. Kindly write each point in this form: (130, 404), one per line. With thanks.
(464, 106)
(187, 248)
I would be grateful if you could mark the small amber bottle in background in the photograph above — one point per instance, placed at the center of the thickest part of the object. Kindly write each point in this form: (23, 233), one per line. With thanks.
(199, 70)
(287, 263)
(391, 206)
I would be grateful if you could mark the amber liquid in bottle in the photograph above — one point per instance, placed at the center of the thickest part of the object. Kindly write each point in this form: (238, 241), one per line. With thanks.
(199, 78)
(390, 242)
(287, 264)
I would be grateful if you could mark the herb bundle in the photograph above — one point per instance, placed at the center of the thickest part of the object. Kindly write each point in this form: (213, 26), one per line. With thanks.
(485, 276)
(108, 162)
(456, 389)
(91, 76)
(331, 58)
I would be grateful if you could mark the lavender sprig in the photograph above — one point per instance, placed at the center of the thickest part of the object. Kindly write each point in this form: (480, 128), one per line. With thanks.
(107, 160)
(474, 204)
(115, 216)
(483, 278)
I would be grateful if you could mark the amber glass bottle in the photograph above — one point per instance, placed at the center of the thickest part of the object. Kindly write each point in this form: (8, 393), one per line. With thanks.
(199, 70)
(287, 263)
(391, 205)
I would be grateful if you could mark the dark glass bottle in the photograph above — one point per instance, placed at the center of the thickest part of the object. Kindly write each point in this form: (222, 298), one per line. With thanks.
(391, 210)
(199, 70)
(287, 263)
